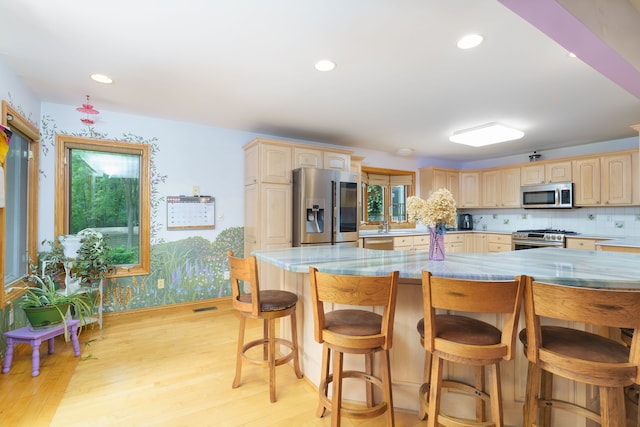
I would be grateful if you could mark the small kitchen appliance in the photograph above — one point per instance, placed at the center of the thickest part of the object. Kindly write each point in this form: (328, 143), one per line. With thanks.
(465, 222)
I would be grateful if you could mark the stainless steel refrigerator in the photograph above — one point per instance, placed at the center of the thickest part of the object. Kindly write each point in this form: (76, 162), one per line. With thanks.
(325, 207)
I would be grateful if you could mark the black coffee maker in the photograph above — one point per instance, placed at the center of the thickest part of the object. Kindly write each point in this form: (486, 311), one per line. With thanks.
(465, 222)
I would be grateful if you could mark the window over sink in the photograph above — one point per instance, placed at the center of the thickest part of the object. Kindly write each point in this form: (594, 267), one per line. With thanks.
(384, 196)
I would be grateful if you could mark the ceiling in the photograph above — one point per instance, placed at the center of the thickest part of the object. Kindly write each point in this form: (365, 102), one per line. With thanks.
(400, 80)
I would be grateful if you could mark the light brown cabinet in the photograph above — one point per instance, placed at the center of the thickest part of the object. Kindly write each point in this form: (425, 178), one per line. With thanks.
(432, 179)
(455, 242)
(470, 189)
(307, 158)
(586, 244)
(607, 180)
(498, 242)
(501, 188)
(624, 249)
(546, 172)
(411, 243)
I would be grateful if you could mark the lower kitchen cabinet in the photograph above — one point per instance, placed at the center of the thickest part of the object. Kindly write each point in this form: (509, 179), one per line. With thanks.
(454, 242)
(418, 242)
(498, 242)
(587, 244)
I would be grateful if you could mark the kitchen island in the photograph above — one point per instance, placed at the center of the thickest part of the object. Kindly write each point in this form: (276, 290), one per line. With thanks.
(555, 265)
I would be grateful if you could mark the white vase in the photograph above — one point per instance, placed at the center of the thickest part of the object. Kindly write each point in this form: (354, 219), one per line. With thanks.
(71, 244)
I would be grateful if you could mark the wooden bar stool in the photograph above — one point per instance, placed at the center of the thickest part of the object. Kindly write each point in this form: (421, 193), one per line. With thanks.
(465, 340)
(578, 355)
(268, 305)
(354, 331)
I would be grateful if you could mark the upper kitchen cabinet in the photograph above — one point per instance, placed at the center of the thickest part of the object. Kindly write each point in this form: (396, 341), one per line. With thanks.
(546, 172)
(607, 180)
(432, 179)
(501, 188)
(307, 158)
(470, 189)
(267, 161)
(336, 160)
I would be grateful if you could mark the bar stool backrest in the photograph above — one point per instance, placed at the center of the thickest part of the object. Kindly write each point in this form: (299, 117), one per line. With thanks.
(244, 270)
(601, 307)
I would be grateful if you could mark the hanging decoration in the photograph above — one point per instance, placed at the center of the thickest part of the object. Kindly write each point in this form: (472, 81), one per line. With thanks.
(88, 110)
(5, 137)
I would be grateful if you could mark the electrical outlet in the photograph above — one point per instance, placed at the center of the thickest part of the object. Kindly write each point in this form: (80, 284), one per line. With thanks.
(195, 190)
(160, 283)
(227, 275)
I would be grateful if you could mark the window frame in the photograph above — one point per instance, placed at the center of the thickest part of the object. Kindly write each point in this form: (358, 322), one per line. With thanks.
(64, 143)
(32, 133)
(411, 191)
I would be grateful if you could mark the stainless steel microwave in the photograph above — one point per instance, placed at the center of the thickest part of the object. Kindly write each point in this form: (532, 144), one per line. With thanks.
(548, 196)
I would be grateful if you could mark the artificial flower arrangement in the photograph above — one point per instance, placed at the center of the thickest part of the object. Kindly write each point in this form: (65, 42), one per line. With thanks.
(439, 210)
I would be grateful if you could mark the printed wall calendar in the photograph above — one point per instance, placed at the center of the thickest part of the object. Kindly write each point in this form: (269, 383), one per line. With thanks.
(190, 212)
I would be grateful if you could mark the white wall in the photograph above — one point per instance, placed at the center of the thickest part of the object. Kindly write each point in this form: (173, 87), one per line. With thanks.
(13, 90)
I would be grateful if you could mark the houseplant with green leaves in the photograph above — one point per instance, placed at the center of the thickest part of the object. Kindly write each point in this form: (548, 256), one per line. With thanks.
(89, 262)
(46, 306)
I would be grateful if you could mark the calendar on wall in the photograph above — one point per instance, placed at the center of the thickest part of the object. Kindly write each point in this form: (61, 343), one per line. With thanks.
(190, 212)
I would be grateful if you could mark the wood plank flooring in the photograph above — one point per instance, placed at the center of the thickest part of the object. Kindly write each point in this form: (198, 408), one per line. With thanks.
(171, 367)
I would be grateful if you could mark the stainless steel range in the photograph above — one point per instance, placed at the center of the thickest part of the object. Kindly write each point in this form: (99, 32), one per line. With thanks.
(530, 239)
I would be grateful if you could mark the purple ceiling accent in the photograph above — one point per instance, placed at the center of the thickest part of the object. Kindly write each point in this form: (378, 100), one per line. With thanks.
(556, 22)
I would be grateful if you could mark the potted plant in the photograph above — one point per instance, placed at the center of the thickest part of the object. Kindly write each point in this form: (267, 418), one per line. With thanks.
(88, 261)
(45, 306)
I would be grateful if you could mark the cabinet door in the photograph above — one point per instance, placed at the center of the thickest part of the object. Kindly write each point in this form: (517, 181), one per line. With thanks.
(583, 244)
(470, 189)
(251, 165)
(510, 188)
(307, 158)
(403, 243)
(275, 216)
(616, 179)
(250, 218)
(275, 163)
(491, 189)
(336, 161)
(532, 174)
(587, 181)
(558, 172)
(453, 184)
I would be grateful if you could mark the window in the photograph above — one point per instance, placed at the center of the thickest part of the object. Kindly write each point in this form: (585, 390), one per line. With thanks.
(104, 185)
(18, 236)
(384, 195)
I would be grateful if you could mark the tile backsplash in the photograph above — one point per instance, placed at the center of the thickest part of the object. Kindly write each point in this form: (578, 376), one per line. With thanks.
(615, 222)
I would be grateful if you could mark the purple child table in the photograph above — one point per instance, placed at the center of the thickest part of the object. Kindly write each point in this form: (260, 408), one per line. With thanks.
(27, 336)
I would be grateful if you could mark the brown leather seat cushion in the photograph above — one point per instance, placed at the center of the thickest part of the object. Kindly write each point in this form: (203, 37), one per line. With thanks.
(580, 345)
(353, 322)
(463, 330)
(273, 300)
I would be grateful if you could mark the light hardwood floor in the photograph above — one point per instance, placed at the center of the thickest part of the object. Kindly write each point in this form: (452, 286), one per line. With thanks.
(171, 367)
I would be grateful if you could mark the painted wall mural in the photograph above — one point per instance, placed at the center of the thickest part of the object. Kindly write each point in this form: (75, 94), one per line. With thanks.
(192, 269)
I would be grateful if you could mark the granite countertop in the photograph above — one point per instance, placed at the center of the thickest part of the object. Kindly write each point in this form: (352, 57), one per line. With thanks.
(555, 265)
(630, 242)
(399, 232)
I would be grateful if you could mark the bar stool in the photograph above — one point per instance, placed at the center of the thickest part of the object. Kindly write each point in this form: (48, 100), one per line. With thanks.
(267, 305)
(354, 331)
(578, 355)
(460, 339)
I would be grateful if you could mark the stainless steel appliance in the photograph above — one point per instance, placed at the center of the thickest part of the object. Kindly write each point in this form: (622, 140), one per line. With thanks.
(547, 196)
(530, 239)
(465, 222)
(325, 207)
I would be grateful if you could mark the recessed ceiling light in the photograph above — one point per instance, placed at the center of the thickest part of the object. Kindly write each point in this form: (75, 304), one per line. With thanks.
(101, 78)
(491, 133)
(404, 151)
(325, 65)
(470, 41)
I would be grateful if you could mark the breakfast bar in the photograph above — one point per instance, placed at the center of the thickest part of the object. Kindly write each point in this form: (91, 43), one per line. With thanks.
(288, 269)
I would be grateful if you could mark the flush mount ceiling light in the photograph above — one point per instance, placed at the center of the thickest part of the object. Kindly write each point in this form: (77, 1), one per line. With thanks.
(491, 133)
(325, 65)
(470, 41)
(101, 78)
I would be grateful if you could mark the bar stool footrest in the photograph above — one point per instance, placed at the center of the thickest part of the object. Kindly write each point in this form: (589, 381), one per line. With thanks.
(261, 342)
